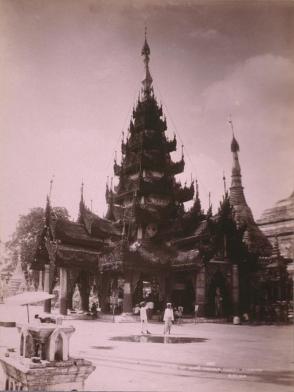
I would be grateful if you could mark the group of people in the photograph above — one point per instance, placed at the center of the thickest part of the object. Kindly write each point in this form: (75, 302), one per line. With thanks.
(168, 317)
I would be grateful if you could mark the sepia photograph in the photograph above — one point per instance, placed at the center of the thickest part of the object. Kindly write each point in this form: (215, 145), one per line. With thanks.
(147, 195)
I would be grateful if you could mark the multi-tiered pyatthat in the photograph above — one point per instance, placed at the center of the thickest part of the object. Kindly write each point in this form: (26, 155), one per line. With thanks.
(148, 197)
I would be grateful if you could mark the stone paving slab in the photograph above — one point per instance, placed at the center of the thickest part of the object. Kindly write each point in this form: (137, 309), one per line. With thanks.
(226, 358)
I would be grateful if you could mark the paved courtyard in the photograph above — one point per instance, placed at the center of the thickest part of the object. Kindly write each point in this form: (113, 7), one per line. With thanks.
(223, 357)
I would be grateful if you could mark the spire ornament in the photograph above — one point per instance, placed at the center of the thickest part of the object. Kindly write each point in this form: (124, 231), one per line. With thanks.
(225, 184)
(234, 145)
(147, 82)
(197, 189)
(51, 186)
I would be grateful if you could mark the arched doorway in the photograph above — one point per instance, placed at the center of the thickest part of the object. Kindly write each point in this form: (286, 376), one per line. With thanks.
(218, 296)
(58, 356)
(147, 289)
(183, 293)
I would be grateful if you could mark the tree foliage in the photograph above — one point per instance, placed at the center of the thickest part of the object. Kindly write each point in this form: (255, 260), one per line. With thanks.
(25, 238)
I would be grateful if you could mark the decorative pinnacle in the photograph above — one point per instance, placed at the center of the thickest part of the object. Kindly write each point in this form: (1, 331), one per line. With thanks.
(230, 121)
(197, 189)
(234, 145)
(147, 82)
(82, 190)
(51, 185)
(224, 180)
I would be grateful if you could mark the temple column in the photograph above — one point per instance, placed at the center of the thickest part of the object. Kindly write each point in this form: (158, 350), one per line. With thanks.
(162, 289)
(40, 285)
(200, 294)
(84, 289)
(84, 292)
(127, 301)
(63, 291)
(47, 303)
(169, 285)
(69, 299)
(103, 289)
(235, 288)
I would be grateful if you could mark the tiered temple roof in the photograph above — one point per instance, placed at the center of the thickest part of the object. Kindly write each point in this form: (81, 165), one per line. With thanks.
(146, 222)
(147, 191)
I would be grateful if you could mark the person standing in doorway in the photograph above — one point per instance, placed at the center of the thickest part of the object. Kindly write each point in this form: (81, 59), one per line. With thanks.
(143, 318)
(168, 318)
(180, 313)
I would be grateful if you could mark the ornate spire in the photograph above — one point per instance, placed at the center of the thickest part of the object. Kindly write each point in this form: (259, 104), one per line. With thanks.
(51, 185)
(225, 183)
(48, 209)
(197, 189)
(147, 82)
(236, 190)
(82, 191)
(234, 145)
(82, 204)
(242, 213)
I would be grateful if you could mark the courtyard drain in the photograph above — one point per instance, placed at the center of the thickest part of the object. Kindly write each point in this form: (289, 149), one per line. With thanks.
(157, 339)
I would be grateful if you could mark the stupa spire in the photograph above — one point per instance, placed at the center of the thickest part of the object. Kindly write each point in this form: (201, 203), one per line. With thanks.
(242, 212)
(50, 187)
(236, 189)
(147, 82)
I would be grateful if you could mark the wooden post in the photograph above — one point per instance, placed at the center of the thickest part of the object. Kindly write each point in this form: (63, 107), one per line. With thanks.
(40, 285)
(47, 303)
(200, 291)
(235, 288)
(127, 301)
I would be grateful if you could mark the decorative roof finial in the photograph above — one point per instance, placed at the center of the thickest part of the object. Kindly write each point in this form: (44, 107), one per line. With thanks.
(82, 190)
(197, 189)
(51, 185)
(230, 121)
(147, 82)
(234, 145)
(209, 200)
(224, 180)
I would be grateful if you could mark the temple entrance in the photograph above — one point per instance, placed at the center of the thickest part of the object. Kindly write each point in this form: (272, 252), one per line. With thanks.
(147, 289)
(218, 296)
(183, 293)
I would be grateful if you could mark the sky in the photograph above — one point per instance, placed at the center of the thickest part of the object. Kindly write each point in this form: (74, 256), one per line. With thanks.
(71, 71)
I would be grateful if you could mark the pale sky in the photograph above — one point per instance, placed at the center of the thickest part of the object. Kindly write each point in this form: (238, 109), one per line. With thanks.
(70, 73)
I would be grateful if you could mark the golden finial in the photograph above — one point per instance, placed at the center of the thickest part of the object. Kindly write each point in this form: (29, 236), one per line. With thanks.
(230, 121)
(82, 188)
(51, 185)
(224, 180)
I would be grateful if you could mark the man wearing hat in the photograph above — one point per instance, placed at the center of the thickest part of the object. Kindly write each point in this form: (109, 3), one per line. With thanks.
(168, 318)
(143, 318)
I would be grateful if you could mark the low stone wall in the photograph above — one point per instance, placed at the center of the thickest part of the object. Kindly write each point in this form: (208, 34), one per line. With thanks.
(45, 376)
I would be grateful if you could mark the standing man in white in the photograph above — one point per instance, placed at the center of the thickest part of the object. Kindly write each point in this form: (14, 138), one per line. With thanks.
(143, 318)
(168, 318)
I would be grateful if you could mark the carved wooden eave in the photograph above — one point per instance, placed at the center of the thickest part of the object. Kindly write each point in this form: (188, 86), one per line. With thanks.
(73, 256)
(189, 260)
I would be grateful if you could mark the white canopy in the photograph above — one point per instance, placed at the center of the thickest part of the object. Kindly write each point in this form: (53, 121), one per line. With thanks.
(28, 297)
